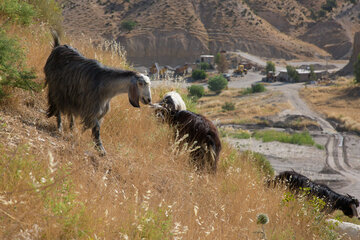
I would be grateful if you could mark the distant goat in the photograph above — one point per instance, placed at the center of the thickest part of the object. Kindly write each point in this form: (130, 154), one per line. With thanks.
(201, 132)
(296, 182)
(83, 87)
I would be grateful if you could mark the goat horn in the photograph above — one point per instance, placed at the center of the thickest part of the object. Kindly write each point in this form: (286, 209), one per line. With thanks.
(156, 105)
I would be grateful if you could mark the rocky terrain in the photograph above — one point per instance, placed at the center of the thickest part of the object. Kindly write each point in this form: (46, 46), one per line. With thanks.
(173, 32)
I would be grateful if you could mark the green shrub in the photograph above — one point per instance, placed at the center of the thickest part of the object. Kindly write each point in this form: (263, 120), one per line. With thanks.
(196, 90)
(270, 67)
(260, 162)
(255, 88)
(12, 70)
(303, 138)
(357, 69)
(49, 11)
(329, 5)
(321, 13)
(190, 102)
(228, 106)
(217, 83)
(128, 25)
(258, 87)
(313, 76)
(292, 73)
(204, 66)
(240, 135)
(18, 11)
(198, 74)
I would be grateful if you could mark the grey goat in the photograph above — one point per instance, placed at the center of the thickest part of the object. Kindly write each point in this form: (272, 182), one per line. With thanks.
(78, 86)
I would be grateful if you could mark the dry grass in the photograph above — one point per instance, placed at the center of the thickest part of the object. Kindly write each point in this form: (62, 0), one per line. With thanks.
(247, 107)
(56, 187)
(340, 102)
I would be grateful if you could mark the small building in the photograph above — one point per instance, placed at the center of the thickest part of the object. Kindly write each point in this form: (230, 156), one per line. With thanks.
(304, 75)
(207, 58)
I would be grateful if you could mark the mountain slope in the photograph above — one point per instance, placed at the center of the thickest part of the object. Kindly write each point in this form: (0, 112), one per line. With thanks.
(172, 32)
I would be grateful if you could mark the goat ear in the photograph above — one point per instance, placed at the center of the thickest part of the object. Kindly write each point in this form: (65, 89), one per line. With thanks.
(134, 94)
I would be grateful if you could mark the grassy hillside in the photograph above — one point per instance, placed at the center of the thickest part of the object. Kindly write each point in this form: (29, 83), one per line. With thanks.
(57, 187)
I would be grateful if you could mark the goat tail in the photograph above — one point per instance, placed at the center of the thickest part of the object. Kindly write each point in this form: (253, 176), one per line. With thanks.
(55, 36)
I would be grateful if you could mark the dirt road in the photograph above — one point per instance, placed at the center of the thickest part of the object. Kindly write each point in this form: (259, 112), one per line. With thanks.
(334, 167)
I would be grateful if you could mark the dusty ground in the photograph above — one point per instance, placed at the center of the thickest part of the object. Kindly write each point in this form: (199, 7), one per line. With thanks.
(338, 165)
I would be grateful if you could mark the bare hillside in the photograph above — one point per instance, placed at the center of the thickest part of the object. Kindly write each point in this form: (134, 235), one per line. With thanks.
(172, 32)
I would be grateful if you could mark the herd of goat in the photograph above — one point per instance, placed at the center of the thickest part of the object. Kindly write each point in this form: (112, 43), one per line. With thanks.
(82, 87)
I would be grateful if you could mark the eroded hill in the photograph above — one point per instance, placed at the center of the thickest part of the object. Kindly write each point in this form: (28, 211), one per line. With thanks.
(172, 32)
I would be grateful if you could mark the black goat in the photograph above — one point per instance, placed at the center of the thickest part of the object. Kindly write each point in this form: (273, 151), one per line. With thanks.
(296, 182)
(201, 134)
(84, 87)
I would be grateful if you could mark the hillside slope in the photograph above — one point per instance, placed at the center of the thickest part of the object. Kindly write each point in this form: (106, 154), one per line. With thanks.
(172, 32)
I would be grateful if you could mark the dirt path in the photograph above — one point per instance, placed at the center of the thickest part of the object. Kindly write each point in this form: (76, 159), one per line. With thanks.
(336, 156)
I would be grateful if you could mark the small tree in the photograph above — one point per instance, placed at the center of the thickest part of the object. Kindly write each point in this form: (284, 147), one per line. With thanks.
(13, 72)
(128, 25)
(198, 74)
(292, 73)
(196, 90)
(217, 83)
(313, 76)
(270, 67)
(222, 64)
(357, 69)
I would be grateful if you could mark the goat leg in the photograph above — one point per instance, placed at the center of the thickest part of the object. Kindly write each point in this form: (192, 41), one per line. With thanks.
(72, 122)
(59, 122)
(97, 140)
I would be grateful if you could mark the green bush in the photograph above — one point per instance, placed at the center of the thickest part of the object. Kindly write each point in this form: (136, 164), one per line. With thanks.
(196, 90)
(12, 70)
(258, 87)
(255, 88)
(228, 106)
(204, 66)
(49, 11)
(217, 83)
(128, 25)
(270, 67)
(17, 11)
(329, 5)
(292, 73)
(190, 102)
(303, 138)
(260, 162)
(198, 74)
(357, 69)
(313, 76)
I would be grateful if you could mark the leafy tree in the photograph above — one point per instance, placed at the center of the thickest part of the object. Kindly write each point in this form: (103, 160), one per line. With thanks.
(270, 67)
(357, 69)
(292, 73)
(313, 76)
(217, 58)
(217, 83)
(198, 74)
(12, 70)
(222, 64)
(128, 25)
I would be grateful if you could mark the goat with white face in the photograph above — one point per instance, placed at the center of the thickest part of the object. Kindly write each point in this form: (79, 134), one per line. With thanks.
(78, 86)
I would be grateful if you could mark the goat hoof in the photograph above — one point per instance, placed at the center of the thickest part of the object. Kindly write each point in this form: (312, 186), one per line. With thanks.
(101, 150)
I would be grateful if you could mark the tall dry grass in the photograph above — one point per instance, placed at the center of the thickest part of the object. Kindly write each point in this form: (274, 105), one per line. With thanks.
(57, 187)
